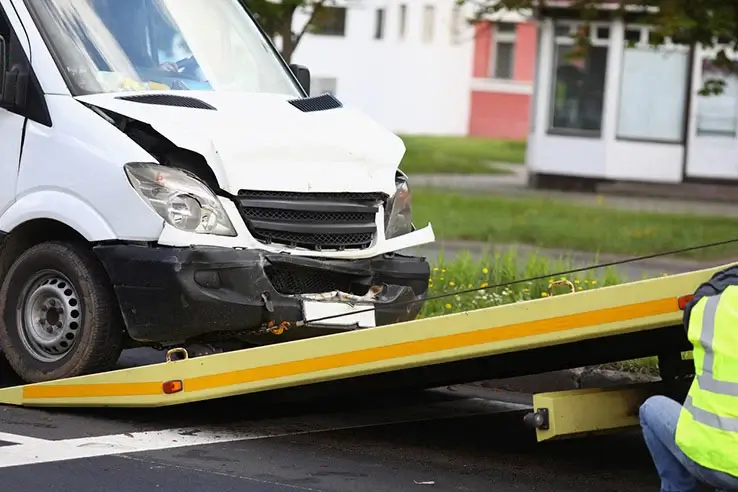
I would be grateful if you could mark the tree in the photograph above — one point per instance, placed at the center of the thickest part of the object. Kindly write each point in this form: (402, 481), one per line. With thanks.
(276, 17)
(710, 23)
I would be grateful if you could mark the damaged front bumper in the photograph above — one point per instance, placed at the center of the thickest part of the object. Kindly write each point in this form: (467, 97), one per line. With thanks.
(176, 295)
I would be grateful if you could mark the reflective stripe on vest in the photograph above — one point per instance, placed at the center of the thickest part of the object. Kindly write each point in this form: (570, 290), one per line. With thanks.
(707, 380)
(728, 424)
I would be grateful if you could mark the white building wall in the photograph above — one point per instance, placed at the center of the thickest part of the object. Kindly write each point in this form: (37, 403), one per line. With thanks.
(407, 83)
(648, 100)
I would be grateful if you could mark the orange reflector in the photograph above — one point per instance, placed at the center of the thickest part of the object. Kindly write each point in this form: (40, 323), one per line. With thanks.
(683, 301)
(174, 386)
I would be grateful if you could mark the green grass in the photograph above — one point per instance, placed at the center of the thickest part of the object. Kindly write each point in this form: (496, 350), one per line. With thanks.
(549, 223)
(462, 155)
(465, 273)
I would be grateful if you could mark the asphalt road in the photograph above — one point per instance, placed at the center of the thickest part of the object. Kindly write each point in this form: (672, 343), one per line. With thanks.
(446, 439)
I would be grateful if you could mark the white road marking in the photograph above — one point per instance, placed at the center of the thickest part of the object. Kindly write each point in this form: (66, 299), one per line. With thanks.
(31, 451)
(18, 439)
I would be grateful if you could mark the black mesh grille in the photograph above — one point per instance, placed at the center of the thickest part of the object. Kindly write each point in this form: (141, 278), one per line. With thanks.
(314, 221)
(327, 196)
(306, 216)
(323, 102)
(294, 281)
(169, 100)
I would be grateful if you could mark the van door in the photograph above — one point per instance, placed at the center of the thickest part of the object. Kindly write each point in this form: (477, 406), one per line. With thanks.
(12, 118)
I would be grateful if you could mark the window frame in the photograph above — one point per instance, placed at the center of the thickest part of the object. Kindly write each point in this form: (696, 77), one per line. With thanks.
(503, 37)
(644, 37)
(402, 21)
(705, 56)
(428, 26)
(336, 25)
(380, 22)
(563, 37)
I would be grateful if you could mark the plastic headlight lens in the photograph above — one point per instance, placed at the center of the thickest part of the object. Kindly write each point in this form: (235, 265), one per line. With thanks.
(398, 217)
(180, 198)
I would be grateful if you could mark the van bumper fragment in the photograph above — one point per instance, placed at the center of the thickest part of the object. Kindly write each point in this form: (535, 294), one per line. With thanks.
(175, 295)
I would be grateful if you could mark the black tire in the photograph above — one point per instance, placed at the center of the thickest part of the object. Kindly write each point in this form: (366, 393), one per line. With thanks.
(85, 312)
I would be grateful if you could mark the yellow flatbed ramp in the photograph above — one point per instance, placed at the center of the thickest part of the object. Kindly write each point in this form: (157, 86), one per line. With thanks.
(604, 312)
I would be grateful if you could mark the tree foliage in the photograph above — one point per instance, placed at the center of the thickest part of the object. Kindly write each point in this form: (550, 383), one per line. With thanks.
(712, 24)
(276, 17)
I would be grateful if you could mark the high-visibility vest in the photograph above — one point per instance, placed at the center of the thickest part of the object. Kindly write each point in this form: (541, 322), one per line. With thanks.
(707, 430)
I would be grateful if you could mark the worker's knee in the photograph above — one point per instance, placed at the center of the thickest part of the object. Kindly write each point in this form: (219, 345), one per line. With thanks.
(656, 407)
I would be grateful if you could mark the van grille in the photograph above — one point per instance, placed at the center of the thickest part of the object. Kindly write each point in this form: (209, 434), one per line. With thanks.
(313, 221)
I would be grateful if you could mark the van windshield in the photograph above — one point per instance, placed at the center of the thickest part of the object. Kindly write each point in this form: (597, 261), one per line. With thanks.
(123, 45)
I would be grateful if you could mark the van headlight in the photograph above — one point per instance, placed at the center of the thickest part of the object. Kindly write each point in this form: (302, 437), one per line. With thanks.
(398, 214)
(180, 198)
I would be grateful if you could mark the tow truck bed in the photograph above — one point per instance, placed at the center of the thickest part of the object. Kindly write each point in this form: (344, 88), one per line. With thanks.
(646, 315)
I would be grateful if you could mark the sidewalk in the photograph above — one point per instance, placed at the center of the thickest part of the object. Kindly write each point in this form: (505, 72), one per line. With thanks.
(622, 196)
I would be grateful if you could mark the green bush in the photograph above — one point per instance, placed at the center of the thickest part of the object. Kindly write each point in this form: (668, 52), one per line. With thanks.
(464, 273)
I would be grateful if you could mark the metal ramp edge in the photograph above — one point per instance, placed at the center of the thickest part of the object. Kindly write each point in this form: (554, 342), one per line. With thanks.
(607, 311)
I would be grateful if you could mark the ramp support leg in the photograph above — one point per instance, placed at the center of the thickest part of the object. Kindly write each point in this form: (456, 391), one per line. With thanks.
(580, 412)
(676, 372)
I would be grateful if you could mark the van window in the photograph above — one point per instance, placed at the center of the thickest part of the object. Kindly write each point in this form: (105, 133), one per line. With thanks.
(117, 45)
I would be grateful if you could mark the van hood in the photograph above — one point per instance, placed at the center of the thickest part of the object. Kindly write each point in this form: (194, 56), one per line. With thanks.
(263, 142)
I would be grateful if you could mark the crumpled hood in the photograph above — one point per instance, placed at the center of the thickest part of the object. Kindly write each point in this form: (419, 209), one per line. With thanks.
(262, 142)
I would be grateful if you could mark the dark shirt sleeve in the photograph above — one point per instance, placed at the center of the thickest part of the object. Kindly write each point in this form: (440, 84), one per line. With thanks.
(716, 285)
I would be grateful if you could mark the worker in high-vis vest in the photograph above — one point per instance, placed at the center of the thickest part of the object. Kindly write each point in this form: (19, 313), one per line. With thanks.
(697, 442)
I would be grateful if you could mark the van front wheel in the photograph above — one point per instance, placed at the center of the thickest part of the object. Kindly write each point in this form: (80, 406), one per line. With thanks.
(59, 314)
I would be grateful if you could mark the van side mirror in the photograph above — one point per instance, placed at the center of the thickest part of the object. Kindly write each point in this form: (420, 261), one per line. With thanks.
(303, 76)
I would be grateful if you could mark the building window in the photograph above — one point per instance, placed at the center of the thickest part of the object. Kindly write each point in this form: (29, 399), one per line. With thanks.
(653, 91)
(503, 50)
(429, 23)
(455, 23)
(717, 114)
(578, 91)
(331, 21)
(403, 20)
(379, 24)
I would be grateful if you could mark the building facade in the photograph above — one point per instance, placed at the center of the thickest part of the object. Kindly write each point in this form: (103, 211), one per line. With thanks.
(419, 67)
(625, 111)
(502, 78)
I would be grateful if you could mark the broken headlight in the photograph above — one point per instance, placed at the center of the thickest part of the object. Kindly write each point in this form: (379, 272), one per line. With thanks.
(398, 214)
(180, 198)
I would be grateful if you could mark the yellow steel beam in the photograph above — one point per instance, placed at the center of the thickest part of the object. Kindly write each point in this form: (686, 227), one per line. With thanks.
(579, 412)
(620, 309)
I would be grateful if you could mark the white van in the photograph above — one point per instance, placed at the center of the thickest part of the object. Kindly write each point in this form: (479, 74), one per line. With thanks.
(166, 181)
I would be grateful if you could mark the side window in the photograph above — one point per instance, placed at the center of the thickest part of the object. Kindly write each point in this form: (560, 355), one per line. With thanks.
(24, 83)
(11, 44)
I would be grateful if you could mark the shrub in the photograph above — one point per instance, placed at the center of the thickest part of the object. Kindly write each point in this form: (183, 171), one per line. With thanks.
(464, 273)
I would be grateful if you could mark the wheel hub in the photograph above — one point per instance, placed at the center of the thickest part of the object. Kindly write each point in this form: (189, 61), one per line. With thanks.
(49, 316)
